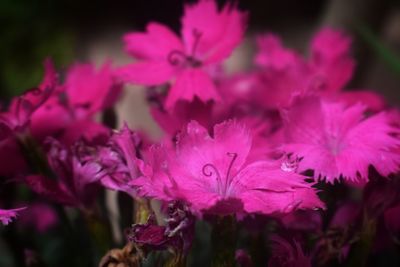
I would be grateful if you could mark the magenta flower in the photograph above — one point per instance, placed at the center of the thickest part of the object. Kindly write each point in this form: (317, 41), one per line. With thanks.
(118, 159)
(337, 141)
(68, 114)
(172, 121)
(331, 60)
(392, 221)
(286, 75)
(72, 179)
(11, 158)
(90, 89)
(6, 216)
(208, 36)
(212, 174)
(272, 54)
(39, 216)
(21, 108)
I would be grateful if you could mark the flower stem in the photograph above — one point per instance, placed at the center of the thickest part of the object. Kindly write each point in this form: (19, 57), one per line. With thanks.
(224, 237)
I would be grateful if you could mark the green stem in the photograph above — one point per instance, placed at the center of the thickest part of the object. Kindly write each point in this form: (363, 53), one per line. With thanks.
(224, 238)
(142, 210)
(99, 231)
(361, 250)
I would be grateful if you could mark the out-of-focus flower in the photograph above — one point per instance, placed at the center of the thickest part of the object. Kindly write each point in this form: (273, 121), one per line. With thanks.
(40, 216)
(212, 174)
(331, 61)
(392, 222)
(11, 158)
(6, 216)
(335, 242)
(303, 220)
(286, 75)
(380, 194)
(283, 76)
(68, 114)
(119, 160)
(18, 116)
(92, 90)
(243, 258)
(337, 141)
(208, 36)
(286, 254)
(75, 175)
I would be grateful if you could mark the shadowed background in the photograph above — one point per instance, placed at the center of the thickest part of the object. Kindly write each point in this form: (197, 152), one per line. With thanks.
(72, 30)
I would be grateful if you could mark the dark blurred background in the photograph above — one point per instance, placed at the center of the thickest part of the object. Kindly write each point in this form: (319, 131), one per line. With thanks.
(69, 30)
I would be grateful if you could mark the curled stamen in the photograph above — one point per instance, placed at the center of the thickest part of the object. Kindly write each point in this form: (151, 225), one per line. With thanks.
(193, 62)
(234, 156)
(176, 58)
(196, 35)
(179, 58)
(209, 170)
(212, 169)
(228, 178)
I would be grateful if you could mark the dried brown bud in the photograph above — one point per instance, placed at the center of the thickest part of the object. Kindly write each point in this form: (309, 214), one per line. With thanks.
(128, 256)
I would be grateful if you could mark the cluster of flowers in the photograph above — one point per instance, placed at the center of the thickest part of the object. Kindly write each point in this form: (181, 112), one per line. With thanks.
(240, 150)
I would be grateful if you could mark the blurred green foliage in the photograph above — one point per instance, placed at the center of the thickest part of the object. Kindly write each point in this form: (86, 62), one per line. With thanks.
(30, 32)
(391, 59)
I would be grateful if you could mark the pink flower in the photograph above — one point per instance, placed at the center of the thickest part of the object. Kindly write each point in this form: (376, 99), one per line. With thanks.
(212, 174)
(392, 221)
(286, 75)
(283, 73)
(40, 216)
(208, 36)
(331, 60)
(6, 216)
(91, 89)
(75, 175)
(11, 158)
(272, 55)
(19, 113)
(243, 258)
(118, 159)
(172, 121)
(337, 141)
(68, 114)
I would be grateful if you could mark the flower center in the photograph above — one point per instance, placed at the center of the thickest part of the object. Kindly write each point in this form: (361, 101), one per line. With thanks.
(210, 170)
(179, 58)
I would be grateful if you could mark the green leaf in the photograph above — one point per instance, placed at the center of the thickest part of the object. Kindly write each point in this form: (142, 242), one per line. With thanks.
(384, 53)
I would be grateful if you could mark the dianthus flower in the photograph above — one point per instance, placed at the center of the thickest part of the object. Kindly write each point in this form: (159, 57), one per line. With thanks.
(6, 216)
(208, 36)
(338, 141)
(212, 174)
(118, 159)
(73, 175)
(286, 74)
